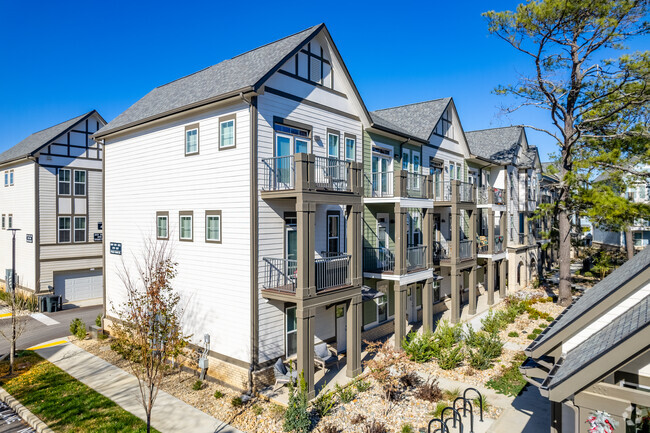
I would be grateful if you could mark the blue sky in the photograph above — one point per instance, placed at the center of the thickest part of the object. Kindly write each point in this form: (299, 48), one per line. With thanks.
(61, 59)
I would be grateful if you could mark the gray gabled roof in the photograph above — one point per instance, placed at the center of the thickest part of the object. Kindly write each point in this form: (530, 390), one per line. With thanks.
(607, 339)
(415, 120)
(241, 73)
(34, 142)
(497, 144)
(595, 295)
(528, 157)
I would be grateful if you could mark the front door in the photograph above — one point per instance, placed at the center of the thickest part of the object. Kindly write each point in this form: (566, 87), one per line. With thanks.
(382, 177)
(291, 246)
(411, 310)
(341, 328)
(383, 253)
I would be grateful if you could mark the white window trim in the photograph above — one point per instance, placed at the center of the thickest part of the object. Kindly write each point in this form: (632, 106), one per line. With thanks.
(4, 222)
(197, 141)
(11, 178)
(58, 230)
(354, 152)
(180, 227)
(10, 221)
(166, 217)
(74, 229)
(338, 145)
(286, 331)
(59, 182)
(207, 217)
(234, 134)
(74, 183)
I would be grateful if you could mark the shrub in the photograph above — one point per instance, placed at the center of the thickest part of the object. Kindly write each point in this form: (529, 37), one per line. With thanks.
(429, 391)
(447, 335)
(533, 315)
(407, 428)
(324, 403)
(440, 406)
(362, 385)
(450, 358)
(477, 403)
(330, 428)
(513, 334)
(588, 274)
(490, 344)
(420, 347)
(493, 346)
(347, 394)
(543, 325)
(537, 331)
(357, 419)
(410, 379)
(531, 336)
(451, 394)
(257, 409)
(218, 394)
(510, 381)
(549, 319)
(78, 328)
(375, 427)
(98, 320)
(493, 322)
(479, 359)
(197, 385)
(473, 338)
(296, 417)
(236, 402)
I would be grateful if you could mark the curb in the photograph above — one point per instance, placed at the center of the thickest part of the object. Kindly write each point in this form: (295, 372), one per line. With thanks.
(24, 413)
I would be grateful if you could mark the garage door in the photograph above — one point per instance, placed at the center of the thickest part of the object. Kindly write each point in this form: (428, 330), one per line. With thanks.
(78, 286)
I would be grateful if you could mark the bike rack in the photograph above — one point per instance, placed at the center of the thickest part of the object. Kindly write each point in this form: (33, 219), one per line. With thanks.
(443, 427)
(455, 414)
(471, 411)
(480, 399)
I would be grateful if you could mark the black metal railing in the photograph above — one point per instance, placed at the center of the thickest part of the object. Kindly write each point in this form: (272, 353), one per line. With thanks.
(416, 257)
(380, 184)
(378, 260)
(280, 274)
(331, 174)
(278, 174)
(465, 249)
(332, 271)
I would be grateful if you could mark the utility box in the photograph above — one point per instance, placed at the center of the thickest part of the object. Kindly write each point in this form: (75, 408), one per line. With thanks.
(203, 363)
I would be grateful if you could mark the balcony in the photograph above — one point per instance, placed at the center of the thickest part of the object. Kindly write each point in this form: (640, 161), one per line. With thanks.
(399, 183)
(306, 172)
(498, 244)
(441, 251)
(454, 191)
(442, 191)
(281, 275)
(487, 195)
(416, 258)
(465, 249)
(378, 260)
(466, 192)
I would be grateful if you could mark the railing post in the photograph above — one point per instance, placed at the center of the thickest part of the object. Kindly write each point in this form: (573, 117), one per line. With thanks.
(491, 199)
(472, 231)
(455, 191)
(428, 186)
(354, 243)
(310, 171)
(301, 163)
(306, 269)
(427, 227)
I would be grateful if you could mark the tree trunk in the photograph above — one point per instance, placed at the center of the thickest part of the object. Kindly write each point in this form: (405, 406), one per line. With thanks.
(564, 258)
(629, 243)
(12, 350)
(148, 421)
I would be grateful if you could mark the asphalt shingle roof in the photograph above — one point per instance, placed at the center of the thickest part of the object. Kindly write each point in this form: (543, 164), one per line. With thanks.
(38, 139)
(497, 144)
(596, 294)
(603, 341)
(240, 72)
(416, 120)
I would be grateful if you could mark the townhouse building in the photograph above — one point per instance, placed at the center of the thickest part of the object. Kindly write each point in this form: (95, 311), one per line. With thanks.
(52, 193)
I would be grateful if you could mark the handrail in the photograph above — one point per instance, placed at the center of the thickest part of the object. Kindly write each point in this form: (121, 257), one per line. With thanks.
(278, 174)
(378, 260)
(332, 271)
(331, 173)
(416, 257)
(380, 184)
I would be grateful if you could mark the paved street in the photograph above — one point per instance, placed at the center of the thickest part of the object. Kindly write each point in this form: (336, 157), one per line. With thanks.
(48, 326)
(10, 422)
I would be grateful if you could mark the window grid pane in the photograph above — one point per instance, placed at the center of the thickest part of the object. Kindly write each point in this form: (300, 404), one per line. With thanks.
(192, 141)
(80, 229)
(333, 147)
(349, 148)
(64, 229)
(64, 182)
(80, 182)
(162, 227)
(213, 228)
(228, 133)
(186, 227)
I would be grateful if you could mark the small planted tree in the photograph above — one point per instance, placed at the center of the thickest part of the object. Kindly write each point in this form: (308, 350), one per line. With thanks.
(20, 306)
(148, 333)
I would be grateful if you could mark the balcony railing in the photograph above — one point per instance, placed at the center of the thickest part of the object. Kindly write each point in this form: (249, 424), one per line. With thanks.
(331, 174)
(499, 196)
(282, 274)
(306, 171)
(465, 249)
(442, 190)
(380, 184)
(440, 251)
(483, 195)
(490, 195)
(416, 257)
(378, 260)
(482, 244)
(466, 192)
(278, 174)
(416, 186)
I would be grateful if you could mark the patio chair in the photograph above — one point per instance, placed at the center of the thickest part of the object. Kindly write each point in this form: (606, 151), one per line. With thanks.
(282, 375)
(324, 357)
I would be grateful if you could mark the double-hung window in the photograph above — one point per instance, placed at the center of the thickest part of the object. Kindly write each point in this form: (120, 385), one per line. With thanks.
(64, 229)
(64, 181)
(332, 144)
(350, 148)
(213, 226)
(382, 308)
(227, 138)
(6, 178)
(192, 139)
(80, 182)
(80, 229)
(11, 177)
(185, 231)
(162, 225)
(333, 237)
(10, 220)
(291, 326)
(3, 221)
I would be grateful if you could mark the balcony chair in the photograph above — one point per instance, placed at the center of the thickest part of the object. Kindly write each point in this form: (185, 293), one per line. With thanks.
(324, 357)
(282, 375)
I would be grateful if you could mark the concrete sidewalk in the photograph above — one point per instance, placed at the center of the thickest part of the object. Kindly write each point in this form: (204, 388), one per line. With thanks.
(170, 415)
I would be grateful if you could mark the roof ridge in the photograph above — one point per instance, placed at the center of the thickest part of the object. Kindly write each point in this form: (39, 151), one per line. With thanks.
(60, 123)
(234, 57)
(414, 103)
(498, 127)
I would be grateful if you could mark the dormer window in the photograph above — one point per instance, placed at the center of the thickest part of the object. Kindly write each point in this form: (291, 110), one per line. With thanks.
(445, 127)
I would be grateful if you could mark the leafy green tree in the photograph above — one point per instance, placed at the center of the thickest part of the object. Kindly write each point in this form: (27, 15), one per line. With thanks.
(586, 95)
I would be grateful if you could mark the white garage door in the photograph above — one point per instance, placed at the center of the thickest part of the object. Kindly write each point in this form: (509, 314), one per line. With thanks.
(78, 286)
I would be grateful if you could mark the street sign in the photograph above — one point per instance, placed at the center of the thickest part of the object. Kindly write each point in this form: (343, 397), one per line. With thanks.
(30, 238)
(97, 237)
(9, 279)
(116, 248)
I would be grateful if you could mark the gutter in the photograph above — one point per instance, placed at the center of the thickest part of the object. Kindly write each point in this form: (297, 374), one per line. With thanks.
(401, 134)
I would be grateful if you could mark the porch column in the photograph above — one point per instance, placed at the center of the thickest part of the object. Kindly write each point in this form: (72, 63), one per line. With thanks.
(490, 281)
(472, 235)
(455, 295)
(454, 254)
(472, 290)
(400, 239)
(306, 226)
(400, 313)
(491, 232)
(354, 239)
(353, 351)
(427, 305)
(526, 228)
(503, 229)
(305, 319)
(502, 278)
(428, 237)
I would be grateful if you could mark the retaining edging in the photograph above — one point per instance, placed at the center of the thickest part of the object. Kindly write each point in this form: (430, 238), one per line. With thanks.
(24, 413)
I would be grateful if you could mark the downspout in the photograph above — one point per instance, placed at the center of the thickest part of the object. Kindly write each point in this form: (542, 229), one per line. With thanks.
(408, 140)
(254, 211)
(576, 417)
(103, 151)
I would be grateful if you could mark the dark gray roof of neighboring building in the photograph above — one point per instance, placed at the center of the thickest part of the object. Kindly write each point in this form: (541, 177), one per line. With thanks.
(528, 157)
(603, 341)
(546, 166)
(232, 75)
(595, 295)
(416, 120)
(497, 144)
(39, 139)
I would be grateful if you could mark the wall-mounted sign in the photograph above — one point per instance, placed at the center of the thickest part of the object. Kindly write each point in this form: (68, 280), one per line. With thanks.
(29, 238)
(116, 248)
(99, 226)
(97, 237)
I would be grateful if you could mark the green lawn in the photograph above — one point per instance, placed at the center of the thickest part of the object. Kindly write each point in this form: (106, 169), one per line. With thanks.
(62, 402)
(510, 382)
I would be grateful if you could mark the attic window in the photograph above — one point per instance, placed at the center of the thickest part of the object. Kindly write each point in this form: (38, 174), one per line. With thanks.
(312, 65)
(444, 127)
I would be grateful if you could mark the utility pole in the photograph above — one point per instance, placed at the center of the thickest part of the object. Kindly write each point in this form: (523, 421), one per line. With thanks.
(12, 354)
